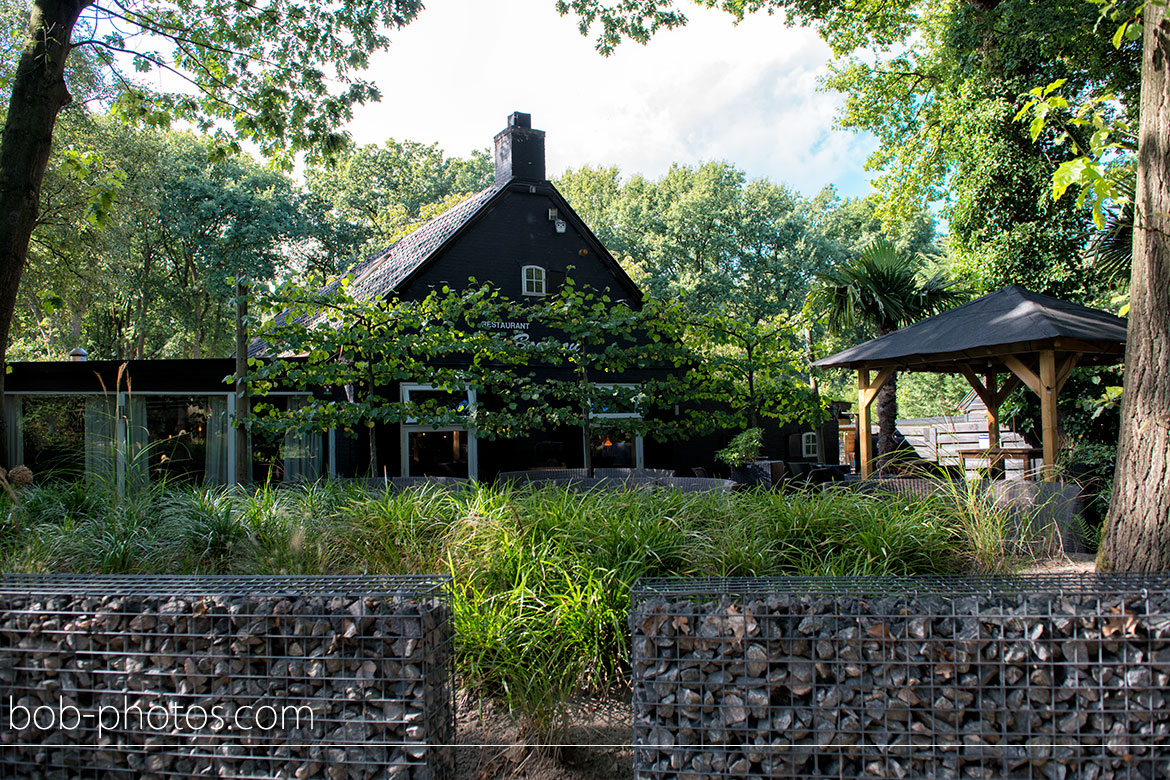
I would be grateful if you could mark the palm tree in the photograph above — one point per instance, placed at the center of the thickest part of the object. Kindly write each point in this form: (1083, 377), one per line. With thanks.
(882, 289)
(1111, 248)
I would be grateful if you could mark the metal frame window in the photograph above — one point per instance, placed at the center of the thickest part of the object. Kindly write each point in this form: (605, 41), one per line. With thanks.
(611, 415)
(639, 454)
(411, 426)
(533, 280)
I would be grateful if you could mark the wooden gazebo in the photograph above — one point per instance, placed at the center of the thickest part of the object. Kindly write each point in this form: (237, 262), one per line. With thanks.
(997, 342)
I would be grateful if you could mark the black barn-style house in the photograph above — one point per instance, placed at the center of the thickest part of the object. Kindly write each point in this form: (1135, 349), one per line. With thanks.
(143, 418)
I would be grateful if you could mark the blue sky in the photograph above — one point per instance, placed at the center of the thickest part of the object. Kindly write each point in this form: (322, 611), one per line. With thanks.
(710, 91)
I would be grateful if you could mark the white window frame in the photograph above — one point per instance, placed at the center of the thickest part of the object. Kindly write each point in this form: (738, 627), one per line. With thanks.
(541, 277)
(639, 454)
(411, 426)
(810, 445)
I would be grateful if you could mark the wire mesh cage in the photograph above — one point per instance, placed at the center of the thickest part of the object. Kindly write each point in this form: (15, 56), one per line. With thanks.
(1055, 677)
(241, 677)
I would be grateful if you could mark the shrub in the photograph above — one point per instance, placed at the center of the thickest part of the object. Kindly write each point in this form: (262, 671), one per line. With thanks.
(541, 575)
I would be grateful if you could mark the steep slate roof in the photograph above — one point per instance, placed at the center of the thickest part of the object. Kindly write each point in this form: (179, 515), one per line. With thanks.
(381, 273)
(986, 326)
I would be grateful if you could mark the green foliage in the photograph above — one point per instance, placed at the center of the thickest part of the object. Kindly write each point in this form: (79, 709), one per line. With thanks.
(329, 337)
(383, 192)
(542, 576)
(1101, 176)
(743, 449)
(922, 394)
(882, 288)
(283, 77)
(737, 256)
(140, 236)
(938, 83)
(1111, 248)
(707, 233)
(142, 233)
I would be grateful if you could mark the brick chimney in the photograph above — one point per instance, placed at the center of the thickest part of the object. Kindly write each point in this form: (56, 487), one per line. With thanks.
(519, 151)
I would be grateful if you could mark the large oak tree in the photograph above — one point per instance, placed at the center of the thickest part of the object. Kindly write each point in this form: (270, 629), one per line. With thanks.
(1137, 531)
(279, 75)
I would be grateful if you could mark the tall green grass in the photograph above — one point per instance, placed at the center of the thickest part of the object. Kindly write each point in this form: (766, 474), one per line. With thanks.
(541, 576)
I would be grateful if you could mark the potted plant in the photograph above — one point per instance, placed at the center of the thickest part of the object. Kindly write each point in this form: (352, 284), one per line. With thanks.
(741, 455)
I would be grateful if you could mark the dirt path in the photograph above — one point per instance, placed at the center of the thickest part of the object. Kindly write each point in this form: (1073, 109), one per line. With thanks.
(1071, 563)
(596, 747)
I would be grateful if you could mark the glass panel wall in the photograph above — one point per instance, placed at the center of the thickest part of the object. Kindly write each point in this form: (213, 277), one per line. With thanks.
(289, 457)
(184, 438)
(53, 440)
(176, 437)
(614, 451)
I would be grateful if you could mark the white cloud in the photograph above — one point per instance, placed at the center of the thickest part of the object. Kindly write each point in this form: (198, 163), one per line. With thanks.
(709, 91)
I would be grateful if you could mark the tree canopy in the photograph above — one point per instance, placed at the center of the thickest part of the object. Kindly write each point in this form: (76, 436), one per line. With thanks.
(282, 76)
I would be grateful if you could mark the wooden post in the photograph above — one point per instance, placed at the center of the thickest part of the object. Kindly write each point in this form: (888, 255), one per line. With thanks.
(864, 441)
(1048, 412)
(995, 466)
(992, 411)
(866, 392)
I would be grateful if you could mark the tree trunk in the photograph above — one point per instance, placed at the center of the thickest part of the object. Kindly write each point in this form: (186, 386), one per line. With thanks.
(887, 408)
(38, 95)
(887, 414)
(374, 431)
(1137, 531)
(243, 475)
(587, 421)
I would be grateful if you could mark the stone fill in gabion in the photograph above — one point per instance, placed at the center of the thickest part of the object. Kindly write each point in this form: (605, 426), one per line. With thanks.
(228, 677)
(1038, 678)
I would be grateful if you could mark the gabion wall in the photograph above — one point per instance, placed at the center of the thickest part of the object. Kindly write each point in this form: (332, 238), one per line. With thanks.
(1054, 677)
(239, 677)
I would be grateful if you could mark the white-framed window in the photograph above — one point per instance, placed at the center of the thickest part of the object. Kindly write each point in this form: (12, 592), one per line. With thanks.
(461, 403)
(438, 450)
(615, 449)
(808, 445)
(533, 280)
(622, 405)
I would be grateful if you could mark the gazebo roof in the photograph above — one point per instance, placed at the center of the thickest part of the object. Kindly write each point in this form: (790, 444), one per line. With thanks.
(1011, 321)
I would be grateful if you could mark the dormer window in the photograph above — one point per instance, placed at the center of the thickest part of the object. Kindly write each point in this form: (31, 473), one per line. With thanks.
(533, 280)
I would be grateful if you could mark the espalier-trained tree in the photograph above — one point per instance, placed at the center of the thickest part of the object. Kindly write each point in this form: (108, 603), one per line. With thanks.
(754, 365)
(280, 75)
(591, 342)
(736, 255)
(884, 289)
(351, 351)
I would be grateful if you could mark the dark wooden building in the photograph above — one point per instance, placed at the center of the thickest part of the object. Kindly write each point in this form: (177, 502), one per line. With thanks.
(172, 416)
